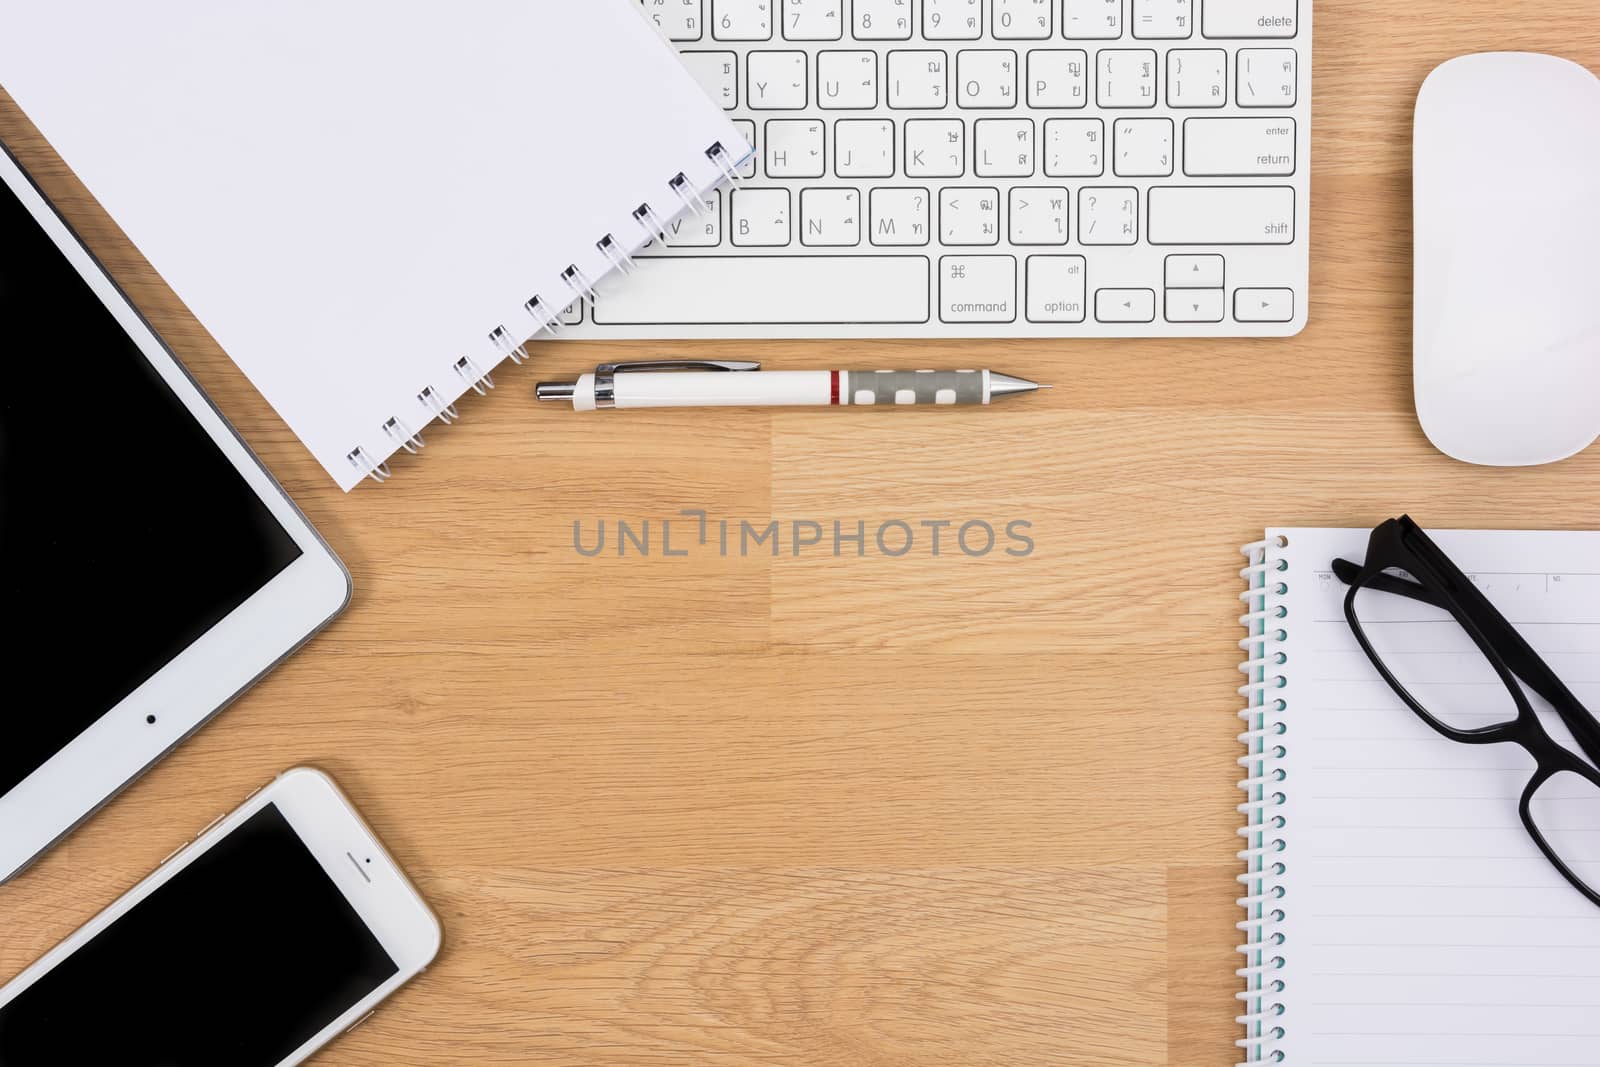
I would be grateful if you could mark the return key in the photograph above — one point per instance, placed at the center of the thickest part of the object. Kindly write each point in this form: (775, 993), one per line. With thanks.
(1238, 148)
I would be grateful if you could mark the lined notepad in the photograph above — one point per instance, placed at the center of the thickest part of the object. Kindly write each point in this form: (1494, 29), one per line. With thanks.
(1413, 921)
(371, 203)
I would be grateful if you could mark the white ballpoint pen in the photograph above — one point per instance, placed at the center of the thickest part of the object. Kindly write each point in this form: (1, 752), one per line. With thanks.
(698, 383)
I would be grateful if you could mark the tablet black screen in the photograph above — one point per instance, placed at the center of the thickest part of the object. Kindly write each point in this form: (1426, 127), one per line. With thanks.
(125, 534)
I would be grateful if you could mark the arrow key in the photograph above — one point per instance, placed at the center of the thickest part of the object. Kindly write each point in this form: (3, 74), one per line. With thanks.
(1196, 305)
(1194, 272)
(1263, 305)
(1125, 305)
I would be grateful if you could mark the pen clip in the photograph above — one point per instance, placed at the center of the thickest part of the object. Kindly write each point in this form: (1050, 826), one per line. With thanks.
(611, 369)
(605, 374)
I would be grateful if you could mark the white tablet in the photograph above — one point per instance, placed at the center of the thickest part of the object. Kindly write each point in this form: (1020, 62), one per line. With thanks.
(150, 568)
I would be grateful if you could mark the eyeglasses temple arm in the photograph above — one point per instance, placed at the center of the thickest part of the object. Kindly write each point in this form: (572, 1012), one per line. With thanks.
(1520, 657)
(1348, 572)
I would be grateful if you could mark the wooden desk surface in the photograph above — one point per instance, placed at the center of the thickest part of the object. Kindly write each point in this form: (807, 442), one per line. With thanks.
(811, 811)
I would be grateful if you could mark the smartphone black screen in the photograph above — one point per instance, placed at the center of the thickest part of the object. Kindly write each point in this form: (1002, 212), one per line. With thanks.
(239, 960)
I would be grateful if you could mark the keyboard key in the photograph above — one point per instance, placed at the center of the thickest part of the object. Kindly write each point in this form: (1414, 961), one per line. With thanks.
(680, 20)
(747, 128)
(1091, 20)
(1127, 78)
(969, 216)
(795, 148)
(900, 217)
(1057, 288)
(1143, 148)
(936, 148)
(847, 80)
(572, 314)
(986, 79)
(1238, 147)
(1058, 78)
(1039, 215)
(1163, 20)
(1108, 216)
(698, 231)
(1196, 305)
(830, 218)
(760, 218)
(845, 290)
(1003, 148)
(1268, 77)
(718, 75)
(1220, 215)
(881, 20)
(1195, 272)
(1021, 20)
(978, 289)
(863, 148)
(1125, 305)
(918, 80)
(1250, 18)
(1074, 148)
(741, 20)
(813, 20)
(952, 20)
(1263, 305)
(1197, 77)
(777, 81)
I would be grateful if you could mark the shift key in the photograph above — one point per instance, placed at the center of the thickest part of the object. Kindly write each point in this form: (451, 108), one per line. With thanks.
(1222, 215)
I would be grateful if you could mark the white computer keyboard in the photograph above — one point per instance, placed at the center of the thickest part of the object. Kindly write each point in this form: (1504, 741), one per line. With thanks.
(990, 168)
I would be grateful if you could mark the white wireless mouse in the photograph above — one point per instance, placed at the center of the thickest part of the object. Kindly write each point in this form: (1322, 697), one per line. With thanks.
(1506, 345)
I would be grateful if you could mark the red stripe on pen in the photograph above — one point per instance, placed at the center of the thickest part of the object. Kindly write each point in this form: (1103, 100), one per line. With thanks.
(833, 389)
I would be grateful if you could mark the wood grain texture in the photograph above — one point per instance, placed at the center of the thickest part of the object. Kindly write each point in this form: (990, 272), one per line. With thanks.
(756, 810)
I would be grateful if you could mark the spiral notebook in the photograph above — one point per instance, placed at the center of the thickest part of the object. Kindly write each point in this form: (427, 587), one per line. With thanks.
(371, 203)
(1396, 911)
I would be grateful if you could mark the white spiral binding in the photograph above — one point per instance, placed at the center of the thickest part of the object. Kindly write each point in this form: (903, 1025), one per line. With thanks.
(654, 228)
(724, 162)
(430, 399)
(582, 288)
(402, 435)
(378, 472)
(517, 353)
(678, 184)
(546, 316)
(474, 376)
(615, 255)
(1265, 788)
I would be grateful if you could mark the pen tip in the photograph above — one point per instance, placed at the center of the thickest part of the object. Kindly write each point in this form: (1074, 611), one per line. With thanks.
(1005, 385)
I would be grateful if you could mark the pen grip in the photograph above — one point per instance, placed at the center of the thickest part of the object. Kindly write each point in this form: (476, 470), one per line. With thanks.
(914, 387)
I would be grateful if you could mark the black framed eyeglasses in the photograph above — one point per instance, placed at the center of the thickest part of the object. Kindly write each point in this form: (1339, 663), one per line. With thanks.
(1445, 691)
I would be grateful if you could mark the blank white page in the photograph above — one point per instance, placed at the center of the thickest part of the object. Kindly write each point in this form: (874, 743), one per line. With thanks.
(1423, 926)
(351, 196)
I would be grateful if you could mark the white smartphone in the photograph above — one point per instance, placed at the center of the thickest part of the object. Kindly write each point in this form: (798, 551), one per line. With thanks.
(282, 926)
